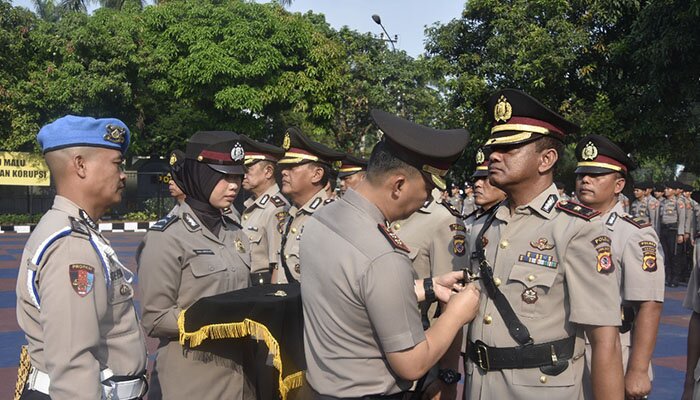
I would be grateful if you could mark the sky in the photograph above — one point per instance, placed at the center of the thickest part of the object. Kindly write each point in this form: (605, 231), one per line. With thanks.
(405, 18)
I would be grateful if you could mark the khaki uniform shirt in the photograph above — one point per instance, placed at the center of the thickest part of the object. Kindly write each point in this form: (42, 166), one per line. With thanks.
(555, 272)
(673, 212)
(181, 261)
(646, 210)
(293, 230)
(692, 302)
(359, 300)
(75, 305)
(263, 221)
(469, 205)
(435, 236)
(639, 261)
(456, 202)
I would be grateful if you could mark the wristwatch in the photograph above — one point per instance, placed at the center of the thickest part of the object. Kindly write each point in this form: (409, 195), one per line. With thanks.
(429, 292)
(449, 376)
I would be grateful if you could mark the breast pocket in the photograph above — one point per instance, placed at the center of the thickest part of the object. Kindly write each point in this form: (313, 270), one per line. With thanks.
(203, 267)
(529, 299)
(254, 237)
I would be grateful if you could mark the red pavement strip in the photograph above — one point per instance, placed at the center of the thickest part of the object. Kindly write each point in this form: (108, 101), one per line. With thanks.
(677, 320)
(8, 284)
(680, 295)
(8, 320)
(8, 378)
(675, 362)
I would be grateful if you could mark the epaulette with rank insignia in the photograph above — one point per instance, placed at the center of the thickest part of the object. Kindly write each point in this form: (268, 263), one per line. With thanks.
(638, 222)
(452, 209)
(163, 223)
(278, 202)
(79, 226)
(393, 238)
(577, 209)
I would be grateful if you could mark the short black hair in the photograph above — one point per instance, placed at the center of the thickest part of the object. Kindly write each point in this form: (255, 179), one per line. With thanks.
(549, 142)
(382, 161)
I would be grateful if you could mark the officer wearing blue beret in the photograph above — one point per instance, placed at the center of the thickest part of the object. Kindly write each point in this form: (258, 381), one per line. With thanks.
(74, 296)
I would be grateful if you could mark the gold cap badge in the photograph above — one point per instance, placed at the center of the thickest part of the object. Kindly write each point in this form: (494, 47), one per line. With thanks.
(173, 159)
(480, 157)
(502, 111)
(590, 152)
(337, 165)
(287, 143)
(115, 134)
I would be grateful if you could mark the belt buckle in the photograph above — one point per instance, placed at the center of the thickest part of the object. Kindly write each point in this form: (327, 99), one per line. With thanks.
(482, 353)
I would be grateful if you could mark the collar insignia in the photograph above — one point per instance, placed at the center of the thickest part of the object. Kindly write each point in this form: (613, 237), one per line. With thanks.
(84, 215)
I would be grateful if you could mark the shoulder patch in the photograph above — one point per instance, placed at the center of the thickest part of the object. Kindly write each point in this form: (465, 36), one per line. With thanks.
(452, 209)
(278, 202)
(638, 222)
(577, 209)
(78, 226)
(82, 278)
(281, 220)
(393, 238)
(164, 223)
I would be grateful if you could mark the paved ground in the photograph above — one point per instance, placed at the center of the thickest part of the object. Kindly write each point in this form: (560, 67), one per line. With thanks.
(669, 356)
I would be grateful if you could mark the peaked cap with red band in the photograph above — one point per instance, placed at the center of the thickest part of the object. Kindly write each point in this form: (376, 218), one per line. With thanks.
(300, 150)
(222, 151)
(257, 151)
(482, 163)
(599, 155)
(431, 151)
(519, 118)
(351, 165)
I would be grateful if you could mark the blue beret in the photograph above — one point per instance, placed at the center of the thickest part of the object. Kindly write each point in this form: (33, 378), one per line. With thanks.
(74, 131)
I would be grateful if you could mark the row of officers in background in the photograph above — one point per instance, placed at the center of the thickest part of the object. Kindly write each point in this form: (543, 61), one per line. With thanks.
(540, 295)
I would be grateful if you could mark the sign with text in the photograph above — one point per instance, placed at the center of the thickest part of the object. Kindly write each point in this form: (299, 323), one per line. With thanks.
(23, 169)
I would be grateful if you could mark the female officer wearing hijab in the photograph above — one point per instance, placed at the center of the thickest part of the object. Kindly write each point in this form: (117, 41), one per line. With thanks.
(197, 252)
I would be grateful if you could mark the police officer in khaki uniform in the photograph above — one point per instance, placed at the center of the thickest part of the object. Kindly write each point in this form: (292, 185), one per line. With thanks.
(645, 207)
(435, 235)
(176, 161)
(265, 210)
(486, 196)
(363, 336)
(74, 297)
(455, 198)
(306, 169)
(351, 172)
(469, 206)
(672, 235)
(691, 389)
(552, 262)
(600, 176)
(198, 252)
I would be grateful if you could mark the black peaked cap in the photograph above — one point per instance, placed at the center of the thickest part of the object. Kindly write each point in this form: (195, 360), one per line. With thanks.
(220, 150)
(597, 154)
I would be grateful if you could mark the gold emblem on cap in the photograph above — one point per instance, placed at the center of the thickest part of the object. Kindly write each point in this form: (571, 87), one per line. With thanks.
(502, 111)
(337, 165)
(173, 159)
(589, 152)
(480, 157)
(287, 143)
(115, 134)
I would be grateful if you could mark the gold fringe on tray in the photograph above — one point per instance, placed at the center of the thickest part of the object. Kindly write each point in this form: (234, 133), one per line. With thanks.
(233, 330)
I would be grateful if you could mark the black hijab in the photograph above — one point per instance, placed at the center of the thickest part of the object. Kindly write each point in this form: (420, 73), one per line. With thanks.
(198, 181)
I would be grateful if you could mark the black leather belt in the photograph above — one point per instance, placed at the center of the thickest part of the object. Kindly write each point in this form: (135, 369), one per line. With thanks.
(527, 356)
(260, 278)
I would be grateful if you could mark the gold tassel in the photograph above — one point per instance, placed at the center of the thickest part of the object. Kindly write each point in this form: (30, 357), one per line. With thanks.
(22, 371)
(242, 329)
